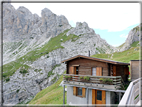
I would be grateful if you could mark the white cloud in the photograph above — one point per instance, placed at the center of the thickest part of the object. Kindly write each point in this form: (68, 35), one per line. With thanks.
(123, 36)
(110, 16)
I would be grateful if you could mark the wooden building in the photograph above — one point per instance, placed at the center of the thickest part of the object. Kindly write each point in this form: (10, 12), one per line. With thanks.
(93, 90)
(135, 66)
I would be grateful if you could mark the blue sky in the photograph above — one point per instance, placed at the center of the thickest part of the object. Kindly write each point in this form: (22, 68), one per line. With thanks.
(112, 21)
(115, 38)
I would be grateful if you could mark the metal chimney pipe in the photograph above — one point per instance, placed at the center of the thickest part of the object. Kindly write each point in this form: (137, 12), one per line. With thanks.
(89, 54)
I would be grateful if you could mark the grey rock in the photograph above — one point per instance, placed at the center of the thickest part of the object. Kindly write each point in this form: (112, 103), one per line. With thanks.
(133, 36)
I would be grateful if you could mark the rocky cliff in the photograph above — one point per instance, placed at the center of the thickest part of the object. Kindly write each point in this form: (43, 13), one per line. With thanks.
(35, 46)
(133, 36)
(24, 30)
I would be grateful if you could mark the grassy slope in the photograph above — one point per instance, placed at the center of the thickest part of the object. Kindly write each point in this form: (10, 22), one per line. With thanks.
(50, 95)
(125, 56)
(54, 43)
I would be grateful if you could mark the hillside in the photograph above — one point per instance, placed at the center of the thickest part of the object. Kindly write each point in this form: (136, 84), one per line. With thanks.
(125, 56)
(43, 96)
(51, 95)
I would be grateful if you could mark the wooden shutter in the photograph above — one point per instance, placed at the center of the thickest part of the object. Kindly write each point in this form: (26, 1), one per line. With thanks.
(93, 96)
(103, 97)
(71, 70)
(114, 70)
(75, 91)
(99, 71)
(83, 92)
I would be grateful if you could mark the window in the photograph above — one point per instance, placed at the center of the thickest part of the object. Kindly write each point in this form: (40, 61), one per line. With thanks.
(94, 71)
(80, 92)
(99, 95)
(77, 70)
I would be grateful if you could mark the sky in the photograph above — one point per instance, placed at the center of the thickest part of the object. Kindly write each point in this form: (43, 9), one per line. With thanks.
(112, 21)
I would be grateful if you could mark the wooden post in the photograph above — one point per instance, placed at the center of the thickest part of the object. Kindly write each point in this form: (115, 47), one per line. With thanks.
(87, 95)
(64, 95)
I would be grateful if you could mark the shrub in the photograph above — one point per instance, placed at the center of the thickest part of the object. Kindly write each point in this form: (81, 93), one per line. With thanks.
(23, 71)
(106, 80)
(47, 56)
(87, 78)
(17, 90)
(7, 79)
(101, 79)
(68, 77)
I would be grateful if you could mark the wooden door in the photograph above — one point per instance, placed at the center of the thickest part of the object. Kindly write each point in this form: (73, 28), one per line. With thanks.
(114, 70)
(99, 71)
(98, 97)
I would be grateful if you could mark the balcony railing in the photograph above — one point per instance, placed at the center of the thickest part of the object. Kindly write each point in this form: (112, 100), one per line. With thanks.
(132, 95)
(94, 81)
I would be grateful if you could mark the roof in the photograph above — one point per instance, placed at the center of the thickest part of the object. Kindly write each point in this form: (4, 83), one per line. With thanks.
(96, 59)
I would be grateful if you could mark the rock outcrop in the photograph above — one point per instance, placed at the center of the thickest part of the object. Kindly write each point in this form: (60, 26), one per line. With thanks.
(133, 36)
(29, 30)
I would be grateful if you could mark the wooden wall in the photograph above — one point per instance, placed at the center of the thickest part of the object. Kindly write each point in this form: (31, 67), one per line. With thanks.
(120, 71)
(135, 69)
(85, 66)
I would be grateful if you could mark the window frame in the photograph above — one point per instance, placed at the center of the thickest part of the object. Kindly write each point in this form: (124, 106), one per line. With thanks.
(75, 92)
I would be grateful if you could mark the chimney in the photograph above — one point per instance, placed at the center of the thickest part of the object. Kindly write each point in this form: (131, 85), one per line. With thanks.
(89, 54)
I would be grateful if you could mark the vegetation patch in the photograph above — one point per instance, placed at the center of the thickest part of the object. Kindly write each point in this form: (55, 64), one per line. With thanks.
(121, 45)
(37, 70)
(121, 56)
(17, 90)
(51, 72)
(100, 50)
(23, 71)
(53, 44)
(54, 79)
(7, 79)
(50, 95)
(135, 44)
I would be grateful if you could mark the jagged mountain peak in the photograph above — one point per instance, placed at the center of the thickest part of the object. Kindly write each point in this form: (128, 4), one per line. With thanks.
(24, 10)
(81, 28)
(46, 12)
(133, 36)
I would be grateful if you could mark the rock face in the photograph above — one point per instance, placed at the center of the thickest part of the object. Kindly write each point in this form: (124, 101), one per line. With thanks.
(24, 32)
(26, 29)
(133, 36)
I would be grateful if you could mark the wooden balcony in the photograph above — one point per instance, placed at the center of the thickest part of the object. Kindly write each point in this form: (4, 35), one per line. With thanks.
(94, 81)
